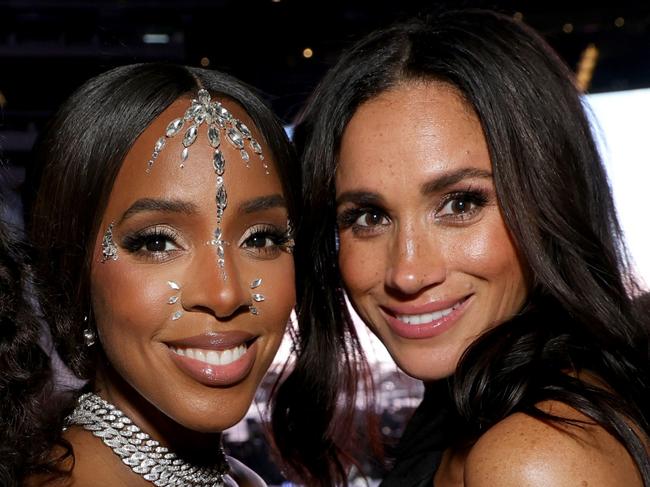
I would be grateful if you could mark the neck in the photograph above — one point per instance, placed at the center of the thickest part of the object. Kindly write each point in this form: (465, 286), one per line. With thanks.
(198, 446)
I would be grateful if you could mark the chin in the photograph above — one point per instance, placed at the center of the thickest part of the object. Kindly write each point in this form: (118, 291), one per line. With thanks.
(425, 370)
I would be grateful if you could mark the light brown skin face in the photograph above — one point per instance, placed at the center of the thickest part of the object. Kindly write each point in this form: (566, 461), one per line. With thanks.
(130, 295)
(421, 232)
(420, 225)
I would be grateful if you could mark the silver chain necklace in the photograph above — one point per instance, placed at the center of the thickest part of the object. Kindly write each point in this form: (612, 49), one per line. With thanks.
(144, 455)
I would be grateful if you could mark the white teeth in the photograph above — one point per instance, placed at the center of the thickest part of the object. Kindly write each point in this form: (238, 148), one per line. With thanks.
(212, 357)
(426, 317)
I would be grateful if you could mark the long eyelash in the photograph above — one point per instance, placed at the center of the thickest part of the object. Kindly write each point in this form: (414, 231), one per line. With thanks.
(348, 217)
(478, 197)
(281, 237)
(134, 242)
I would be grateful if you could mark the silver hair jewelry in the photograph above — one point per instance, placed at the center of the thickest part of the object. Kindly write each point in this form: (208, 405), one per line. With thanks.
(175, 299)
(144, 455)
(218, 120)
(109, 249)
(256, 297)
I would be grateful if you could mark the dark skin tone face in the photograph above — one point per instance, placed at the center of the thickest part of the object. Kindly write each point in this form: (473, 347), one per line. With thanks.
(163, 223)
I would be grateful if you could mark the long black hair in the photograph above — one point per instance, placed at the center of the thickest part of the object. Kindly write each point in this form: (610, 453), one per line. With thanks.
(25, 373)
(77, 160)
(557, 204)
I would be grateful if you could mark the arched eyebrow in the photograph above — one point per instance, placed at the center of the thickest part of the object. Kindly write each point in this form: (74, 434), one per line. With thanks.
(442, 182)
(159, 205)
(435, 185)
(262, 203)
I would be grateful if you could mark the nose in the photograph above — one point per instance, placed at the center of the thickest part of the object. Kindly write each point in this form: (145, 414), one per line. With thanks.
(212, 288)
(415, 261)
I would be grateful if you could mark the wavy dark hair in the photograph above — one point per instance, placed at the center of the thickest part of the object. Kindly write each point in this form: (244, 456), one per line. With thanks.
(25, 377)
(77, 160)
(557, 204)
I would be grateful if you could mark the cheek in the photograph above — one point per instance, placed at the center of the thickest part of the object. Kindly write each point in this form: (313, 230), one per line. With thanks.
(362, 265)
(127, 301)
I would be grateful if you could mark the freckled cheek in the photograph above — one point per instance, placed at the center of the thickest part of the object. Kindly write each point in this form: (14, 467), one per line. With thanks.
(362, 265)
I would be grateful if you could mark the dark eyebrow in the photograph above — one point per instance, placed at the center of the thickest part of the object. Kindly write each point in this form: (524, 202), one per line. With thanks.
(262, 203)
(360, 198)
(159, 205)
(442, 182)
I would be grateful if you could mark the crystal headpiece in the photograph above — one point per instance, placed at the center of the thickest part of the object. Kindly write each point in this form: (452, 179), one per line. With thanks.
(219, 121)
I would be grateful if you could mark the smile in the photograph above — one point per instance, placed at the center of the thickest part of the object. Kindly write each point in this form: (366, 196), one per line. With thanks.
(212, 357)
(215, 359)
(427, 317)
(419, 322)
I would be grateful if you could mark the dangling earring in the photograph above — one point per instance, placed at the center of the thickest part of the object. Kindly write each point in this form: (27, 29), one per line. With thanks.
(89, 334)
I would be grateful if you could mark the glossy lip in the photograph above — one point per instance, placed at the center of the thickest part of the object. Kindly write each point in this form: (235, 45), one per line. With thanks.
(216, 375)
(425, 330)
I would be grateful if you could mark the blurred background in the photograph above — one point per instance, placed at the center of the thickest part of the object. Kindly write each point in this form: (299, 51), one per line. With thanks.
(283, 47)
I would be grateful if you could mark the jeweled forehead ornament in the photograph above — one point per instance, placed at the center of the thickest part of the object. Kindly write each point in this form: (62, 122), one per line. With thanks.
(219, 121)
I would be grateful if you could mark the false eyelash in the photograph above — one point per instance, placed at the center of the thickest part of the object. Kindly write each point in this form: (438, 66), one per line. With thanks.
(136, 241)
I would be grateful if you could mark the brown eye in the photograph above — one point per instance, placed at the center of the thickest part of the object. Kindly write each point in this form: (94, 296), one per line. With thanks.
(371, 219)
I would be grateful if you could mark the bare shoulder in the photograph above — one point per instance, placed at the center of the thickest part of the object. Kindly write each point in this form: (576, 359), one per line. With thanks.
(243, 475)
(524, 451)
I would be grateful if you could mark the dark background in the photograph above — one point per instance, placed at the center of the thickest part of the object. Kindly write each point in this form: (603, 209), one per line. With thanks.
(48, 48)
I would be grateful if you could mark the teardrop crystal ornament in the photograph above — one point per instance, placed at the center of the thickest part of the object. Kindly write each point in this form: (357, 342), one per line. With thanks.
(174, 127)
(219, 162)
(235, 138)
(213, 136)
(243, 129)
(190, 135)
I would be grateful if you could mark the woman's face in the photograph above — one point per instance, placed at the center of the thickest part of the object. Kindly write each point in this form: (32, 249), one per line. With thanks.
(425, 256)
(174, 325)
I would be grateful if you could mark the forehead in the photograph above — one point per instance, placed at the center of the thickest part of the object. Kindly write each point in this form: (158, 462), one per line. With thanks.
(425, 123)
(196, 180)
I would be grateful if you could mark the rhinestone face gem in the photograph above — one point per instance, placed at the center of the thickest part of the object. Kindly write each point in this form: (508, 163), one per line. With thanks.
(258, 298)
(222, 198)
(174, 127)
(257, 148)
(160, 143)
(243, 129)
(219, 162)
(235, 138)
(109, 249)
(177, 315)
(256, 283)
(190, 135)
(213, 137)
(173, 285)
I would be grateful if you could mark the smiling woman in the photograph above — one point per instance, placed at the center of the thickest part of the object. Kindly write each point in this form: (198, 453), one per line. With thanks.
(163, 224)
(453, 192)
